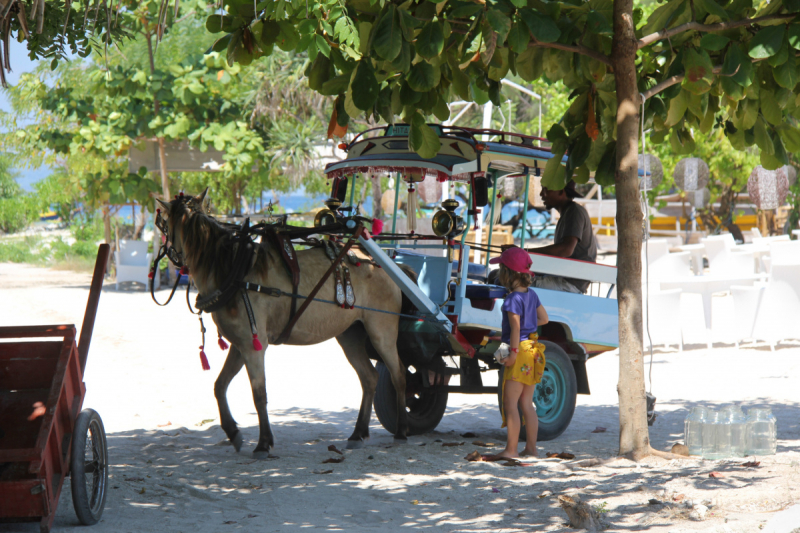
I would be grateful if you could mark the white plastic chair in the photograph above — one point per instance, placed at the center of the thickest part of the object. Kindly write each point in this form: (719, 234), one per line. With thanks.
(133, 263)
(664, 306)
(722, 261)
(661, 263)
(769, 312)
(784, 252)
(665, 318)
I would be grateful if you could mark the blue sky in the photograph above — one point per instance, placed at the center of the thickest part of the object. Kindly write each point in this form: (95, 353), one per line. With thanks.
(20, 63)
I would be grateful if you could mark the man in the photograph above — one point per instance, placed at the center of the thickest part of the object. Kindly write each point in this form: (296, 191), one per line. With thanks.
(574, 238)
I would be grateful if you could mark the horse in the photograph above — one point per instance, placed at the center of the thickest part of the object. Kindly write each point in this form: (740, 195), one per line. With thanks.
(207, 248)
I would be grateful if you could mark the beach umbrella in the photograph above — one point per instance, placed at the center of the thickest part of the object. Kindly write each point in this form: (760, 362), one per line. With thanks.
(650, 164)
(691, 174)
(768, 188)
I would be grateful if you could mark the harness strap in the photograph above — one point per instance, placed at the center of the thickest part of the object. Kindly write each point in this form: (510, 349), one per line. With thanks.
(289, 255)
(287, 330)
(161, 253)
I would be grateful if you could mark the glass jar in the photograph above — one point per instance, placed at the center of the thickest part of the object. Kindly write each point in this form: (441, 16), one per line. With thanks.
(738, 425)
(762, 432)
(716, 436)
(693, 430)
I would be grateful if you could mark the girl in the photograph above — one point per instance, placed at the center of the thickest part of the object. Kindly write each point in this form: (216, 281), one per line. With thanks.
(522, 314)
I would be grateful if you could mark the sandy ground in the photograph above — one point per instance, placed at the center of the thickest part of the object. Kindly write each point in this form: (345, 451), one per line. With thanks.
(172, 469)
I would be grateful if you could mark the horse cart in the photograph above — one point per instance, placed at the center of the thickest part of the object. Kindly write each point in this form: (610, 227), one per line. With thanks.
(458, 310)
(44, 435)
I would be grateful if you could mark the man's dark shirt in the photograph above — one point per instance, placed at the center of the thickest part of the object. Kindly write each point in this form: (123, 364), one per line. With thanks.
(575, 222)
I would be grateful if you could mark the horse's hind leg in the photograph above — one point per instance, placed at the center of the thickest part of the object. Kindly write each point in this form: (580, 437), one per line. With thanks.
(382, 333)
(352, 343)
(254, 362)
(233, 364)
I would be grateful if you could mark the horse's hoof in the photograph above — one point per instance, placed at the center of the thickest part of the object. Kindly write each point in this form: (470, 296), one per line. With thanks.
(261, 455)
(237, 441)
(355, 444)
(400, 440)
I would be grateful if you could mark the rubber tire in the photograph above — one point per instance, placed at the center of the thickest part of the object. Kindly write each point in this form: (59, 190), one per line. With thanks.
(424, 411)
(553, 408)
(89, 507)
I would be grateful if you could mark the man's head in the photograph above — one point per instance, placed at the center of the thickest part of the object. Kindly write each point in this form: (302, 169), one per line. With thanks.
(558, 199)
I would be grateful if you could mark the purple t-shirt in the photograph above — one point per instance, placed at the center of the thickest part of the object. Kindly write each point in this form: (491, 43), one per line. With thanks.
(525, 305)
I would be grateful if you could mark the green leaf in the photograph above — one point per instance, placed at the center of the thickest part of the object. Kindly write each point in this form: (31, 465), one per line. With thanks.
(423, 77)
(661, 17)
(518, 38)
(714, 9)
(218, 23)
(542, 27)
(403, 60)
(578, 152)
(698, 71)
(500, 23)
(430, 40)
(763, 139)
(529, 64)
(408, 24)
(335, 86)
(497, 73)
(596, 22)
(737, 66)
(364, 86)
(319, 72)
(714, 42)
(605, 174)
(682, 142)
(677, 108)
(554, 176)
(387, 35)
(791, 138)
(322, 45)
(519, 4)
(782, 55)
(769, 108)
(794, 36)
(288, 37)
(767, 42)
(422, 139)
(441, 109)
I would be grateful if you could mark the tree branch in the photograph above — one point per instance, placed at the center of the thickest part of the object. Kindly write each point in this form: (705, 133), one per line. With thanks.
(696, 26)
(669, 82)
(579, 49)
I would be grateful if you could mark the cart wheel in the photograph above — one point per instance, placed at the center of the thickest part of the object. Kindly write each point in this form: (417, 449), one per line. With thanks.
(554, 396)
(89, 467)
(425, 409)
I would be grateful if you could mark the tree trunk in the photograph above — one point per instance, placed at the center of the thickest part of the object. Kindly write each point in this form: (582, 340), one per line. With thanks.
(634, 439)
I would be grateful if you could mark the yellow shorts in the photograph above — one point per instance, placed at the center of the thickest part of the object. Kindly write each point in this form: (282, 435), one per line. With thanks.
(528, 368)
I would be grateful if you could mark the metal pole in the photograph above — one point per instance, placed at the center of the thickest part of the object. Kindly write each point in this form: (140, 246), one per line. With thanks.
(396, 201)
(352, 194)
(495, 177)
(525, 211)
(469, 206)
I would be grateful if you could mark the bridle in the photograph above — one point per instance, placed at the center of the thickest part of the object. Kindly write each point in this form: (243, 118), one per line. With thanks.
(168, 250)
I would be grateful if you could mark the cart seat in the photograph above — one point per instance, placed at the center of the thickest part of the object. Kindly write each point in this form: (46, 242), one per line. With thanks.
(475, 271)
(482, 292)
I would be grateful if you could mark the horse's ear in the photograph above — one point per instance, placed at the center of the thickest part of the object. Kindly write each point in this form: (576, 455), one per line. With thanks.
(200, 197)
(164, 205)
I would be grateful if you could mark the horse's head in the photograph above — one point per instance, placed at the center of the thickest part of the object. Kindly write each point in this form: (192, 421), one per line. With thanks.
(171, 217)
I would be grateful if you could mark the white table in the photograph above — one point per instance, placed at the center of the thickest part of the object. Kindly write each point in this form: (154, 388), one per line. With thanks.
(759, 251)
(697, 251)
(706, 286)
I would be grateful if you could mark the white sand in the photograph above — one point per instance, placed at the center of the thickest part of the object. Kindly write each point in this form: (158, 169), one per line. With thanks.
(172, 470)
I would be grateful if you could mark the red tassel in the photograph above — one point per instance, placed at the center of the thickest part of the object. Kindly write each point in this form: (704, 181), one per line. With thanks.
(358, 263)
(222, 344)
(377, 226)
(150, 275)
(256, 342)
(204, 360)
(184, 270)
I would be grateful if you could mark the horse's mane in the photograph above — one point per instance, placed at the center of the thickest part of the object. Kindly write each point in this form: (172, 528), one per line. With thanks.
(208, 244)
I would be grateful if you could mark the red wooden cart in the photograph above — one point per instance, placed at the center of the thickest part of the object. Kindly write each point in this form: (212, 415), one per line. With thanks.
(44, 435)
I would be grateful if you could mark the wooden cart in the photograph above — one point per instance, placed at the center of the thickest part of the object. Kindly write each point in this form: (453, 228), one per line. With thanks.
(44, 435)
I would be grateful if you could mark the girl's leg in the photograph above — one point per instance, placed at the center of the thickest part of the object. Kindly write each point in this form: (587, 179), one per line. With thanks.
(531, 420)
(511, 394)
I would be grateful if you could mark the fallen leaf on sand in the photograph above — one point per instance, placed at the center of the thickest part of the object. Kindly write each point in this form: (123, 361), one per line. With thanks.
(513, 462)
(599, 429)
(716, 474)
(445, 444)
(322, 471)
(333, 460)
(414, 502)
(252, 515)
(653, 501)
(133, 479)
(229, 522)
(333, 448)
(562, 455)
(678, 497)
(142, 491)
(474, 456)
(484, 444)
(469, 435)
(495, 489)
(751, 464)
(165, 425)
(204, 422)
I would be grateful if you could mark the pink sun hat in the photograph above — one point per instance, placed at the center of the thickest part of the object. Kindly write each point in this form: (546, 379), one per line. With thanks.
(514, 258)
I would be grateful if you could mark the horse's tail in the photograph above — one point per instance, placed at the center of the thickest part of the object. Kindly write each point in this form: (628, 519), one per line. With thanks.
(407, 307)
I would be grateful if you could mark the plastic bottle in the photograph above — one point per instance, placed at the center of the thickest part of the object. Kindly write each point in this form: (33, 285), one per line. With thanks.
(693, 430)
(762, 432)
